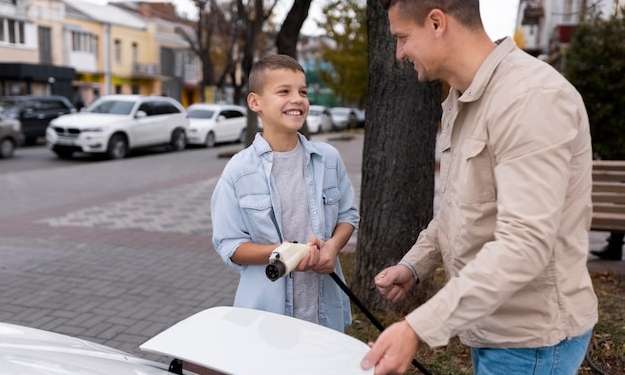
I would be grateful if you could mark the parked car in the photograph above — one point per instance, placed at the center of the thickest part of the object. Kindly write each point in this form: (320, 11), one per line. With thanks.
(360, 117)
(115, 124)
(34, 113)
(343, 117)
(319, 119)
(210, 124)
(10, 136)
(30, 351)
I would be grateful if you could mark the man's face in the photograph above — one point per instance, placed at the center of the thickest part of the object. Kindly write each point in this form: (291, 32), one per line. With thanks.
(415, 43)
(283, 103)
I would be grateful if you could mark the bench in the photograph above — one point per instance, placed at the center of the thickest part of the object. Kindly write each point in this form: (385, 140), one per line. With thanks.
(608, 196)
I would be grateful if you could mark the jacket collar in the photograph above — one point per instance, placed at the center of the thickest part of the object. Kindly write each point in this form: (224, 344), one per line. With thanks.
(487, 69)
(262, 147)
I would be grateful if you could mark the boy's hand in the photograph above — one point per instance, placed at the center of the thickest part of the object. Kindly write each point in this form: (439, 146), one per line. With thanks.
(311, 260)
(328, 253)
(394, 283)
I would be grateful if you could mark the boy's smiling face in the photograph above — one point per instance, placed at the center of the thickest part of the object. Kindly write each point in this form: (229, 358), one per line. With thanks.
(283, 101)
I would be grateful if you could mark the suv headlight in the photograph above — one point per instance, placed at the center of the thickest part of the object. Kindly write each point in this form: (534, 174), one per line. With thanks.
(17, 126)
(92, 130)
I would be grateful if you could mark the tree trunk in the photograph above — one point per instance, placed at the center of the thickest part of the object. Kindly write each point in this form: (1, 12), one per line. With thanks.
(286, 42)
(398, 159)
(287, 39)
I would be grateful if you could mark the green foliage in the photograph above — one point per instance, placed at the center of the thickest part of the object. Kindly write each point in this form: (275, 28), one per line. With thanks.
(346, 26)
(595, 64)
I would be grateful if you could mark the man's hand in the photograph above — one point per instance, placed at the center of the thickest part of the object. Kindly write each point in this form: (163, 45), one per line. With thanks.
(394, 283)
(311, 260)
(328, 252)
(393, 350)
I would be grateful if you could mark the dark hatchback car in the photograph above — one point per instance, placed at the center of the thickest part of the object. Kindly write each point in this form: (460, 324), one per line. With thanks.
(34, 113)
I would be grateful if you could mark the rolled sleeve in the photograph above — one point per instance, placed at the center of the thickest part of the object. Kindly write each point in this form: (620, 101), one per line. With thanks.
(424, 256)
(229, 230)
(532, 147)
(348, 213)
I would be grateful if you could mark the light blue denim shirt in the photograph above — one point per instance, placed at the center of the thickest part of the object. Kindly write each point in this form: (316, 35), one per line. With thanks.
(241, 211)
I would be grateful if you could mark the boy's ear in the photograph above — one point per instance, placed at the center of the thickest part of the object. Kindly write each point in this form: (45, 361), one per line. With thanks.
(253, 102)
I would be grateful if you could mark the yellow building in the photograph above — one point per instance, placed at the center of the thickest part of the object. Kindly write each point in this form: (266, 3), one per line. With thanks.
(180, 68)
(135, 61)
(112, 51)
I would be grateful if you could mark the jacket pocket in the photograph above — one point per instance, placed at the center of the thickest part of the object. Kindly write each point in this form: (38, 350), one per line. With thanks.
(257, 211)
(475, 176)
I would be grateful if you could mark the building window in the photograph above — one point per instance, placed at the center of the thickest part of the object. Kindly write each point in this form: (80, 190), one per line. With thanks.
(20, 28)
(84, 42)
(12, 31)
(118, 51)
(118, 89)
(12, 37)
(135, 52)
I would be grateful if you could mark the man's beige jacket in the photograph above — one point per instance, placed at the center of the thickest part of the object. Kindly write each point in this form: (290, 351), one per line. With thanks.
(515, 210)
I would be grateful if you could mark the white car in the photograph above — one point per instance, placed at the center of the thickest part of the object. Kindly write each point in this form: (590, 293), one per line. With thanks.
(115, 124)
(343, 117)
(217, 339)
(210, 124)
(319, 119)
(30, 351)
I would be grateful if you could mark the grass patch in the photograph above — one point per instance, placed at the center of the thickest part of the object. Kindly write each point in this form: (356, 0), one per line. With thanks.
(607, 346)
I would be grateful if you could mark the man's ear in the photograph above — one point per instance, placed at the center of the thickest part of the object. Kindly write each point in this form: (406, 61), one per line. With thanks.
(438, 21)
(253, 102)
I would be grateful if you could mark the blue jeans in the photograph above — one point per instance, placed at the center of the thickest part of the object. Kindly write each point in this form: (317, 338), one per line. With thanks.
(561, 359)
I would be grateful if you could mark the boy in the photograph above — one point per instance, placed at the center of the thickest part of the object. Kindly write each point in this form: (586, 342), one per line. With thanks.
(285, 188)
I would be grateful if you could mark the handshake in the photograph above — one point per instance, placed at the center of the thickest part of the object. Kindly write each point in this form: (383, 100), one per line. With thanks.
(317, 255)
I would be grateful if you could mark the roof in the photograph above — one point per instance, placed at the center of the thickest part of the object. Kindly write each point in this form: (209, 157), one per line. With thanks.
(107, 14)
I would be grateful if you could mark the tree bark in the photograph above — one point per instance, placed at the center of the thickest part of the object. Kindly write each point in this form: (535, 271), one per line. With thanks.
(398, 159)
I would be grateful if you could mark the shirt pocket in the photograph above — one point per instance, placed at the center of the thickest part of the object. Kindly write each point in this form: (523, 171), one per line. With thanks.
(257, 211)
(475, 175)
(331, 197)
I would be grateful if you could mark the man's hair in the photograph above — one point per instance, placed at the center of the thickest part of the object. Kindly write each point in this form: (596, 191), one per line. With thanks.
(467, 12)
(271, 62)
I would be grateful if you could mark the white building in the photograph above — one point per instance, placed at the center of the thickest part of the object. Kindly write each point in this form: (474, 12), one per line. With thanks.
(544, 24)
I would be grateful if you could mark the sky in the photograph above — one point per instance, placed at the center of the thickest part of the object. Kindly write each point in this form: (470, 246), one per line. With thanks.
(499, 16)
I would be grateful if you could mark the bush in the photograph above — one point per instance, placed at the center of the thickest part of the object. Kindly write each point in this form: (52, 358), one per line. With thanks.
(595, 65)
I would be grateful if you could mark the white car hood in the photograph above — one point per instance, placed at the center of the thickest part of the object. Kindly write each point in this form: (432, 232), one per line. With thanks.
(88, 120)
(241, 341)
(28, 351)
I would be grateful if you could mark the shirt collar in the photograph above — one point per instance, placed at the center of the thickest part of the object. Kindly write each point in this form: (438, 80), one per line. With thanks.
(262, 147)
(487, 69)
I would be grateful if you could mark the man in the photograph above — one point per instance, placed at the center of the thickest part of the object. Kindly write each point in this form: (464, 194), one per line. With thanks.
(515, 207)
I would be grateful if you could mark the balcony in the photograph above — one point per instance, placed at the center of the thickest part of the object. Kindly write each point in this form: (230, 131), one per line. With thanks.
(533, 14)
(146, 70)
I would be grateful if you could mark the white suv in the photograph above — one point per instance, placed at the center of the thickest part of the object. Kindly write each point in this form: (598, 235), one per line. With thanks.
(115, 124)
(215, 123)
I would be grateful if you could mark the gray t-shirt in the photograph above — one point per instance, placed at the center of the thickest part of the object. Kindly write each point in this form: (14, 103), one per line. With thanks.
(288, 174)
